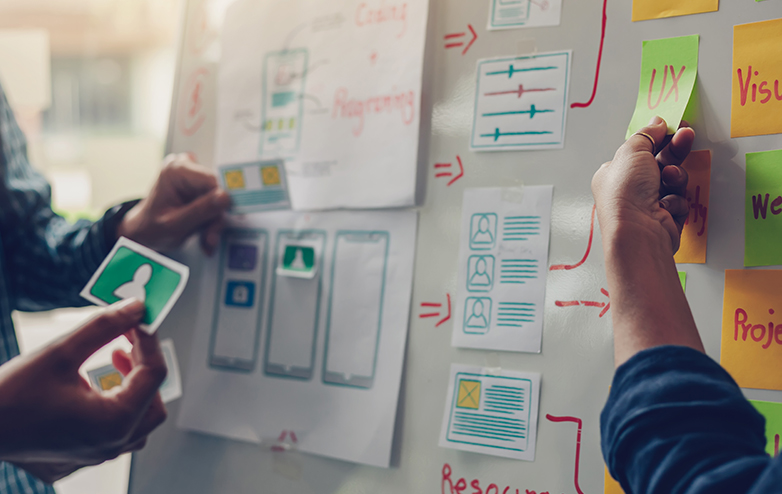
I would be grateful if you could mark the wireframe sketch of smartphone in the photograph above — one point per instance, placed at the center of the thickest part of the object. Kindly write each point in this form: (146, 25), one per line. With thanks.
(284, 77)
(294, 306)
(355, 310)
(238, 307)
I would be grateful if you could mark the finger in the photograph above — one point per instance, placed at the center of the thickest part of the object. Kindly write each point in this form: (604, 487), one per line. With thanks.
(678, 208)
(143, 381)
(155, 415)
(134, 446)
(678, 149)
(122, 362)
(674, 179)
(638, 142)
(107, 325)
(189, 180)
(202, 211)
(210, 236)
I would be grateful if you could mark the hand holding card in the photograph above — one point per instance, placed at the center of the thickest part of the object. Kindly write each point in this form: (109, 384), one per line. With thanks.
(134, 271)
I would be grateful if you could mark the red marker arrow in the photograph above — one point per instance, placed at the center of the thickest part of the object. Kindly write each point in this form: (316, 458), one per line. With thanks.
(429, 305)
(586, 303)
(455, 40)
(441, 171)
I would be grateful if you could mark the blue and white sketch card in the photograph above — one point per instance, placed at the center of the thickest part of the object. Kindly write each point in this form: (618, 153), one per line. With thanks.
(494, 413)
(256, 186)
(503, 262)
(521, 102)
(510, 14)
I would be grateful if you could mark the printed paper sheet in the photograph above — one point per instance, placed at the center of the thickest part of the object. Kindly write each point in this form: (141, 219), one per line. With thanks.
(503, 263)
(333, 88)
(510, 14)
(316, 358)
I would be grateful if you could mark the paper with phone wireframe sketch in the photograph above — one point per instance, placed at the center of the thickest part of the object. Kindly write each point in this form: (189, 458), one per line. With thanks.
(503, 263)
(331, 87)
(491, 413)
(510, 14)
(318, 357)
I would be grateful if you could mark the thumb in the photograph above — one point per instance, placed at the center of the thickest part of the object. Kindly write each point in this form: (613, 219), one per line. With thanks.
(200, 212)
(107, 325)
(648, 139)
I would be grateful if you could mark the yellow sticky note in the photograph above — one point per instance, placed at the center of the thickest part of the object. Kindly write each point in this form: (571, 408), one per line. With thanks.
(234, 179)
(611, 486)
(696, 228)
(756, 103)
(270, 175)
(657, 9)
(469, 394)
(752, 327)
(109, 381)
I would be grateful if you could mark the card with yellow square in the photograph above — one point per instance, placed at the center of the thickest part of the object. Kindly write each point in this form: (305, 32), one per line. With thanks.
(256, 186)
(469, 394)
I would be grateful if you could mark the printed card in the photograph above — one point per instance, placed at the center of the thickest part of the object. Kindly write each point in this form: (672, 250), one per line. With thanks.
(132, 270)
(510, 14)
(257, 186)
(491, 413)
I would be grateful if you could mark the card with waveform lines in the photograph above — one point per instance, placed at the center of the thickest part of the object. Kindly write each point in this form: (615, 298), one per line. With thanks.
(521, 102)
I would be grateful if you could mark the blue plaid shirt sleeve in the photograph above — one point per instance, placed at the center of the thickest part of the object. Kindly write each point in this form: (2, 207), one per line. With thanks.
(47, 259)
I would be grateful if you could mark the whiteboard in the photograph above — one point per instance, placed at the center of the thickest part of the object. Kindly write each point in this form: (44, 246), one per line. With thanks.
(577, 358)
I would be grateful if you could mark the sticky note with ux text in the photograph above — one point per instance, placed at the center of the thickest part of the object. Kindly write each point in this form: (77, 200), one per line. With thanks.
(763, 209)
(756, 102)
(751, 348)
(134, 271)
(696, 229)
(658, 9)
(669, 68)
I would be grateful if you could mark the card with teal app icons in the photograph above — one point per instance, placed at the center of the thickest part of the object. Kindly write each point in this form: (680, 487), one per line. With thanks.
(132, 270)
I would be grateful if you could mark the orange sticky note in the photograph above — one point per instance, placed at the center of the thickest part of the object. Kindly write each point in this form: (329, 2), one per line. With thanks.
(657, 9)
(752, 327)
(756, 102)
(611, 486)
(696, 228)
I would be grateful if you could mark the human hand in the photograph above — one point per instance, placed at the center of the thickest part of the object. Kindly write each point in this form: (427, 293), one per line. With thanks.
(642, 190)
(185, 199)
(54, 422)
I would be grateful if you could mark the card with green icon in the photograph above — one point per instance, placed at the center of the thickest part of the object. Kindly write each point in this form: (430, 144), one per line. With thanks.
(132, 270)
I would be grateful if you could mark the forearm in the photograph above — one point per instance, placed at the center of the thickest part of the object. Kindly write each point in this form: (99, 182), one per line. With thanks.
(648, 306)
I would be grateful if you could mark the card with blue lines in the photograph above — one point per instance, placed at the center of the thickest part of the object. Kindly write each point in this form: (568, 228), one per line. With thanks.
(503, 262)
(256, 186)
(494, 413)
(521, 102)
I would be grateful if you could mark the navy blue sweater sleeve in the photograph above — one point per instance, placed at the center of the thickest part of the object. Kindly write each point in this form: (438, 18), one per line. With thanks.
(677, 423)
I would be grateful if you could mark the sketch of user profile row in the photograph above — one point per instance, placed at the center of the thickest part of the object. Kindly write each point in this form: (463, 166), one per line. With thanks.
(357, 271)
(521, 103)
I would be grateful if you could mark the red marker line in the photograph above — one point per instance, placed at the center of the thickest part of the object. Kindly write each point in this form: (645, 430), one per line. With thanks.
(454, 35)
(604, 292)
(454, 45)
(568, 267)
(461, 172)
(570, 303)
(433, 314)
(603, 312)
(430, 304)
(448, 295)
(599, 59)
(520, 91)
(444, 174)
(578, 444)
(593, 304)
(442, 165)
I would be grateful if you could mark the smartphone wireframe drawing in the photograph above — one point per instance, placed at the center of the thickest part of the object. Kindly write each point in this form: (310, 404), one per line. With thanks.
(284, 78)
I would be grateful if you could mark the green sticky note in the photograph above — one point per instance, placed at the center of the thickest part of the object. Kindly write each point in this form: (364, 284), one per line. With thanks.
(773, 414)
(683, 279)
(669, 68)
(762, 209)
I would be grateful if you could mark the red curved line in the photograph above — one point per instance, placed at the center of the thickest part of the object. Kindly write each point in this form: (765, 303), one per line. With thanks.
(578, 444)
(568, 267)
(599, 58)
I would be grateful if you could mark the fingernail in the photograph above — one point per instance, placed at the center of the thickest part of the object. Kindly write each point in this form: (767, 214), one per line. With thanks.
(656, 120)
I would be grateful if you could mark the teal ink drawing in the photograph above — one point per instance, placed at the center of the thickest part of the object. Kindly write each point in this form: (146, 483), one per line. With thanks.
(477, 315)
(483, 231)
(480, 273)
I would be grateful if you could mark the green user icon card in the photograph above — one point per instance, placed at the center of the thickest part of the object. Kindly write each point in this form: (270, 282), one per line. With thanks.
(134, 271)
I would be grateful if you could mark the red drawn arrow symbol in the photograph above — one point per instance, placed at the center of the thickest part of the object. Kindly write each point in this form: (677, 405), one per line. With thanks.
(438, 313)
(587, 303)
(443, 174)
(450, 39)
(578, 422)
(568, 267)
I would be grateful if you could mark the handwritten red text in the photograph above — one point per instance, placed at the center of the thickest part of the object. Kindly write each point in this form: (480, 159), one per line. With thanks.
(674, 86)
(757, 332)
(449, 487)
(763, 88)
(346, 107)
(699, 211)
(368, 16)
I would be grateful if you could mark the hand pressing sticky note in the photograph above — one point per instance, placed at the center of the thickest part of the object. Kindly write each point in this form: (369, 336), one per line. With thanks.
(669, 68)
(657, 9)
(756, 102)
(763, 209)
(134, 271)
(696, 229)
(772, 412)
(751, 347)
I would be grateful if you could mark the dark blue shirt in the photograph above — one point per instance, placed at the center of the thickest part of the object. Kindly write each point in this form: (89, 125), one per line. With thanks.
(676, 422)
